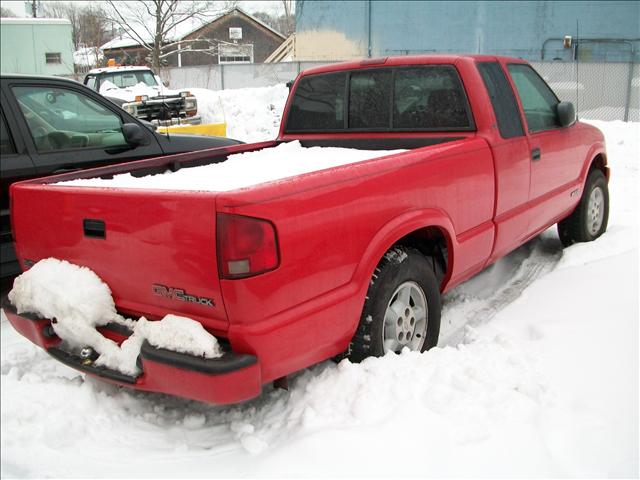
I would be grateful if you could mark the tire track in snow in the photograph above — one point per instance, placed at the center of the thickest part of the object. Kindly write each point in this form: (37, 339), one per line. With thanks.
(479, 299)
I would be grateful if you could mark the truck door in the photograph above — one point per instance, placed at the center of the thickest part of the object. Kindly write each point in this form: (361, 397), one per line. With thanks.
(556, 158)
(510, 150)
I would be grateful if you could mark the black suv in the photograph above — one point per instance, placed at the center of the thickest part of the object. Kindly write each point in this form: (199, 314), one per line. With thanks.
(52, 125)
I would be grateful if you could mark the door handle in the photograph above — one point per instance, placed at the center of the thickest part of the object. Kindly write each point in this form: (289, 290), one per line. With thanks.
(535, 154)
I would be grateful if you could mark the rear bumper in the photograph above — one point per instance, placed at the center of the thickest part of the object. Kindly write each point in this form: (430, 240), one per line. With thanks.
(231, 378)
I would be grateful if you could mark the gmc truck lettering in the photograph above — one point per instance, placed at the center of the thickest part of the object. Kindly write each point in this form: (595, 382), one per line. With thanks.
(174, 293)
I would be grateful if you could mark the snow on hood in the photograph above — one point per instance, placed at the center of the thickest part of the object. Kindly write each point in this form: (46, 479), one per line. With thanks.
(129, 94)
(80, 301)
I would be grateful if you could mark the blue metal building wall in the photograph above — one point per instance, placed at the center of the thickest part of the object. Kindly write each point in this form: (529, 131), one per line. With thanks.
(529, 29)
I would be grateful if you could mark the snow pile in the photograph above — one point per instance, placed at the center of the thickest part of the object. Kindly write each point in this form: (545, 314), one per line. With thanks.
(251, 114)
(87, 56)
(242, 170)
(80, 301)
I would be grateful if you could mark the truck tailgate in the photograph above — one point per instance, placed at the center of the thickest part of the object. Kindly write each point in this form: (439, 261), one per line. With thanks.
(155, 249)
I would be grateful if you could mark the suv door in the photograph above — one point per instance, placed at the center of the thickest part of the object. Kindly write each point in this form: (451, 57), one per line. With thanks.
(15, 164)
(68, 127)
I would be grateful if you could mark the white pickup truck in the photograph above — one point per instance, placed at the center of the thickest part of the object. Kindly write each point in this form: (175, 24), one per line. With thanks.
(140, 92)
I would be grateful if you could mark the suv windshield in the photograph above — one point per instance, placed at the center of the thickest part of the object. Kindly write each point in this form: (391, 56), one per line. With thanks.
(130, 78)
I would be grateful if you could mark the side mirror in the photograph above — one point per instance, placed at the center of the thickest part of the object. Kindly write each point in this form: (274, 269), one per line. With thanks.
(566, 114)
(134, 135)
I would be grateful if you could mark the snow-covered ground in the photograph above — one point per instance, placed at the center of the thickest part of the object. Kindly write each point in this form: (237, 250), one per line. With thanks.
(536, 375)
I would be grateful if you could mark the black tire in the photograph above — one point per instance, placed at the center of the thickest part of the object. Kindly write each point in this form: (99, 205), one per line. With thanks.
(580, 226)
(401, 267)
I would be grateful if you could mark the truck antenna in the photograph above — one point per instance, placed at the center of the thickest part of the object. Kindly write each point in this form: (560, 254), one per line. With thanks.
(577, 59)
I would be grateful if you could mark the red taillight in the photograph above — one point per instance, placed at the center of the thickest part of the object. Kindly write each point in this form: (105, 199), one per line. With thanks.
(246, 246)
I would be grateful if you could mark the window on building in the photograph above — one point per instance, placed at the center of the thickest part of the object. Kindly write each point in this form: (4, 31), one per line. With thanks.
(538, 100)
(235, 33)
(53, 57)
(235, 54)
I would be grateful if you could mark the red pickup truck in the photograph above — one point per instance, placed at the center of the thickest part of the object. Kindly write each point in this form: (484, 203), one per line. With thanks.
(348, 261)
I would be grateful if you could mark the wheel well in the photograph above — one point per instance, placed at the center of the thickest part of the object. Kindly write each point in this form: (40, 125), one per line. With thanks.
(432, 243)
(600, 162)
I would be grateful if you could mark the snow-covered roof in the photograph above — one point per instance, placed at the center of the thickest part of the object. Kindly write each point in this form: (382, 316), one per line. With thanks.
(32, 21)
(128, 39)
(258, 21)
(121, 42)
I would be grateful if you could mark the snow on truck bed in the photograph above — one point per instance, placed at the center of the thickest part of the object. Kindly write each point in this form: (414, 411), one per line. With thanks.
(242, 170)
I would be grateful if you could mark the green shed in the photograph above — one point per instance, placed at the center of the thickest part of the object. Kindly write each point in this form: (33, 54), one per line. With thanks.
(39, 46)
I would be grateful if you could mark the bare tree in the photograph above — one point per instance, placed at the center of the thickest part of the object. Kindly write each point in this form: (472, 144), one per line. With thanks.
(153, 24)
(6, 13)
(68, 10)
(285, 22)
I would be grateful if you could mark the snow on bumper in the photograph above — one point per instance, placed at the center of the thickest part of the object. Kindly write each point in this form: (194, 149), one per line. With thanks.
(228, 379)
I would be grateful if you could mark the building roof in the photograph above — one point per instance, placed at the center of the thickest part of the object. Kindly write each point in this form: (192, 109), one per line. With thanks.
(35, 21)
(128, 40)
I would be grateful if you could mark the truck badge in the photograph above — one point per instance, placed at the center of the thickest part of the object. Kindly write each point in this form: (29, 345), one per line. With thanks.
(175, 293)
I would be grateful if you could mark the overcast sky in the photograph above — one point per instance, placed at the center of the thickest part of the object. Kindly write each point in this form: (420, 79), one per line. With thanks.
(274, 7)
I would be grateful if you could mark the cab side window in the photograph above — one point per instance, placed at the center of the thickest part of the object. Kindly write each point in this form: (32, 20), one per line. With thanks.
(538, 100)
(62, 119)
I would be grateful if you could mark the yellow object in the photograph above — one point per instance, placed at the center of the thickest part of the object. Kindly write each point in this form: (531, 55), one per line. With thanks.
(210, 129)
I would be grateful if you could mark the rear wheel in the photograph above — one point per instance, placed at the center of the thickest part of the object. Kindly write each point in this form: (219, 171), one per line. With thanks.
(589, 220)
(402, 307)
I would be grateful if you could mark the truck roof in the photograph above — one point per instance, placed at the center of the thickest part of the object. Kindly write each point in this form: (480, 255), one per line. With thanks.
(117, 69)
(403, 60)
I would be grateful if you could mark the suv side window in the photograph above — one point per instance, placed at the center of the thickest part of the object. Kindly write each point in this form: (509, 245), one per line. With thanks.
(63, 119)
(6, 143)
(538, 100)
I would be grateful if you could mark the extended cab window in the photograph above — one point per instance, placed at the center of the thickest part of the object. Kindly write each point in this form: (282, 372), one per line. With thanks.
(429, 98)
(538, 100)
(61, 119)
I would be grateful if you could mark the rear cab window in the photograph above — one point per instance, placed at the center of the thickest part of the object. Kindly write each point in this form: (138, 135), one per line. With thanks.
(421, 98)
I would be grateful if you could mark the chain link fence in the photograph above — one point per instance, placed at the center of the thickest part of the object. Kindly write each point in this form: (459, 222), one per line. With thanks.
(599, 90)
